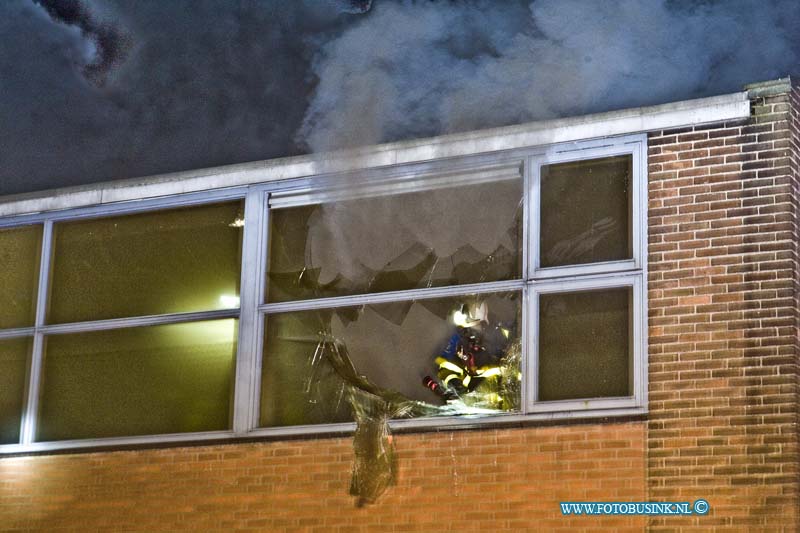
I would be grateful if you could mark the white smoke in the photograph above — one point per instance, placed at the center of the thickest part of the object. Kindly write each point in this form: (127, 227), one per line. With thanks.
(412, 69)
(227, 82)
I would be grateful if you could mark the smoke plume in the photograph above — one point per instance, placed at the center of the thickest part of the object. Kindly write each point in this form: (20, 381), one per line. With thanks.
(196, 83)
(413, 69)
(111, 44)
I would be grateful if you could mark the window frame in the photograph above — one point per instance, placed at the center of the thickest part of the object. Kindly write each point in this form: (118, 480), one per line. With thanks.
(586, 277)
(404, 177)
(638, 214)
(41, 329)
(588, 284)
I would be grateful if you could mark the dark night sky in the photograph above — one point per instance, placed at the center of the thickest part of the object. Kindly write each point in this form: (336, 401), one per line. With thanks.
(93, 90)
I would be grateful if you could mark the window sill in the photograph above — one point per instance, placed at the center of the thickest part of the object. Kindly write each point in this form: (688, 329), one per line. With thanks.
(411, 426)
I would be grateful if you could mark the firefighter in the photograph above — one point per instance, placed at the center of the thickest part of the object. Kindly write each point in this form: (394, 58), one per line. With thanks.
(464, 364)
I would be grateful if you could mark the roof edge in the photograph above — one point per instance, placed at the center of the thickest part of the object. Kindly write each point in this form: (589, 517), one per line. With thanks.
(540, 133)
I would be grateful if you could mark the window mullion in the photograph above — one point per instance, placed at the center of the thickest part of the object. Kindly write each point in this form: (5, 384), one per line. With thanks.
(325, 191)
(395, 296)
(137, 321)
(638, 205)
(31, 409)
(16, 333)
(533, 204)
(530, 246)
(245, 403)
(527, 339)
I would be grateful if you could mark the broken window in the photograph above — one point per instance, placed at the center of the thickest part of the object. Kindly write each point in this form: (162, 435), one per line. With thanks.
(337, 348)
(506, 284)
(449, 356)
(330, 260)
(430, 238)
(456, 354)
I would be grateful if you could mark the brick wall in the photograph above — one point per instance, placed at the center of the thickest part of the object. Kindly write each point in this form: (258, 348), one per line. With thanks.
(723, 307)
(489, 480)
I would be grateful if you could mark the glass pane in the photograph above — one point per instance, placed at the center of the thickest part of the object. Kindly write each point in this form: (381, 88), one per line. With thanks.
(431, 238)
(20, 250)
(585, 346)
(406, 351)
(150, 380)
(13, 368)
(586, 211)
(173, 261)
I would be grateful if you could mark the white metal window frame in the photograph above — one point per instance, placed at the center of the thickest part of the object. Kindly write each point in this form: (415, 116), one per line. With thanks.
(638, 328)
(479, 168)
(603, 275)
(41, 329)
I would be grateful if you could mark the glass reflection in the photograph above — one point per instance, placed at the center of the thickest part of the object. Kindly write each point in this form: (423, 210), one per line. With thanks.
(585, 346)
(14, 354)
(20, 250)
(433, 238)
(179, 260)
(139, 381)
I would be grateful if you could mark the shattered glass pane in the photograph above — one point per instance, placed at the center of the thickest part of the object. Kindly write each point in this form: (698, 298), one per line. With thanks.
(433, 238)
(297, 386)
(20, 249)
(585, 344)
(150, 380)
(13, 367)
(375, 461)
(586, 211)
(158, 262)
(428, 357)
